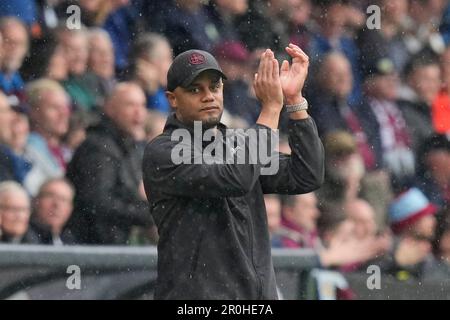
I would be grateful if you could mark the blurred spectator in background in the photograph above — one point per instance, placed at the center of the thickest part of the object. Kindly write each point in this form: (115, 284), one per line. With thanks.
(79, 122)
(121, 24)
(441, 105)
(344, 168)
(444, 28)
(14, 48)
(154, 124)
(150, 60)
(433, 170)
(299, 222)
(6, 118)
(88, 10)
(20, 131)
(93, 12)
(48, 16)
(223, 14)
(80, 85)
(40, 16)
(394, 16)
(45, 59)
(331, 85)
(156, 10)
(387, 40)
(416, 97)
(13, 163)
(334, 224)
(302, 232)
(264, 26)
(381, 86)
(355, 15)
(361, 213)
(105, 171)
(15, 214)
(412, 220)
(422, 28)
(49, 116)
(25, 10)
(51, 13)
(331, 111)
(188, 26)
(330, 35)
(273, 211)
(346, 178)
(52, 208)
(239, 99)
(341, 247)
(299, 21)
(101, 64)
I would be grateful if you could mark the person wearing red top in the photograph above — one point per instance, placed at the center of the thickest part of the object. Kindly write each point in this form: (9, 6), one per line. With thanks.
(441, 105)
(441, 112)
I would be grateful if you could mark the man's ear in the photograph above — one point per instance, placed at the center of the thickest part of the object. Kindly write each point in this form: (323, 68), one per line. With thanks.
(172, 99)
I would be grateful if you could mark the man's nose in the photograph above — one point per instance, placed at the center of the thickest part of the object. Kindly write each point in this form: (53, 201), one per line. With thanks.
(208, 96)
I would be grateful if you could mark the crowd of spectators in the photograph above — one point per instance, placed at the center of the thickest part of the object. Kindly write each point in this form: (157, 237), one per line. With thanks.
(78, 105)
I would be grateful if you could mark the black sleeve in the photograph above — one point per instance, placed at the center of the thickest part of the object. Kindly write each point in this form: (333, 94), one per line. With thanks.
(94, 173)
(303, 170)
(193, 180)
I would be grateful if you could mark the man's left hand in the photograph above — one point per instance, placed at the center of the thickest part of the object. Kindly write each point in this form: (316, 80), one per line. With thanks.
(293, 77)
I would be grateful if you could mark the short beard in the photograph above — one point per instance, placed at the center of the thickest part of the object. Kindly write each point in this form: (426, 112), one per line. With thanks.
(211, 122)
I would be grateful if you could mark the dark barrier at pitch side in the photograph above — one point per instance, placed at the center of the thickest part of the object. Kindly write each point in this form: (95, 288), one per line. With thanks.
(110, 272)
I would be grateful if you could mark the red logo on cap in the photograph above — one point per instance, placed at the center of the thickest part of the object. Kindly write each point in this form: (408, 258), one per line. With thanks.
(197, 58)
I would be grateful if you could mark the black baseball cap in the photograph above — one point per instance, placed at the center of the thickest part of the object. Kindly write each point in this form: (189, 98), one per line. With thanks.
(188, 65)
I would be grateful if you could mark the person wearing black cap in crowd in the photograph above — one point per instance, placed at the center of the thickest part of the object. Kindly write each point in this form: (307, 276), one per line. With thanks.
(214, 241)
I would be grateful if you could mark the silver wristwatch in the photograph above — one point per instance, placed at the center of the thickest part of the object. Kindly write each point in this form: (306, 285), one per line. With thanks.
(297, 107)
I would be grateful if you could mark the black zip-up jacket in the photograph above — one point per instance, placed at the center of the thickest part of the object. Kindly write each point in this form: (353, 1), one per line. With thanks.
(214, 240)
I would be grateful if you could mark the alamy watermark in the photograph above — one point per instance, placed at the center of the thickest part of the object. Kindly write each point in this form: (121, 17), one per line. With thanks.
(374, 280)
(374, 20)
(73, 282)
(73, 22)
(236, 146)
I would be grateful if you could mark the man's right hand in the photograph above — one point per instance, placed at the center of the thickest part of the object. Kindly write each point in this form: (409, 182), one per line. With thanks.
(341, 253)
(268, 90)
